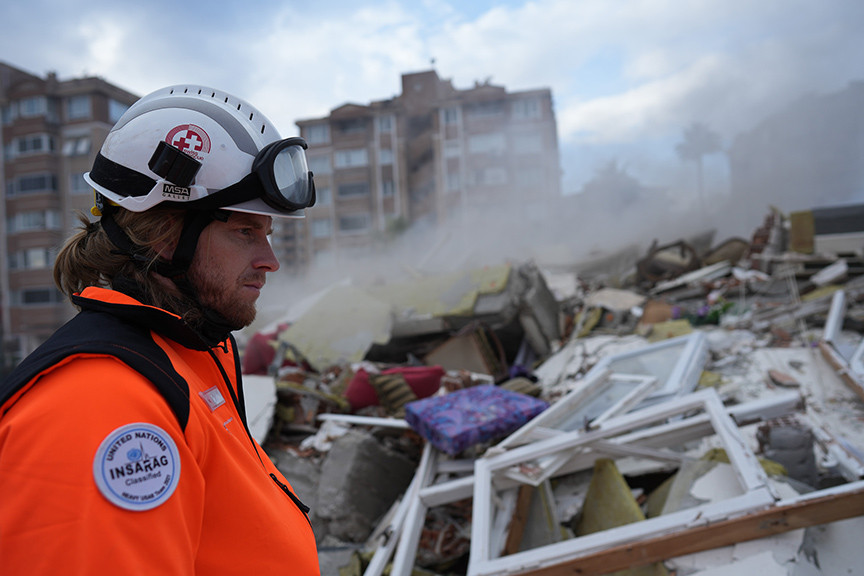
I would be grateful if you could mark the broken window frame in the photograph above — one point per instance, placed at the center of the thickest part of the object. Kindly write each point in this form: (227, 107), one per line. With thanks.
(488, 472)
(682, 379)
(450, 491)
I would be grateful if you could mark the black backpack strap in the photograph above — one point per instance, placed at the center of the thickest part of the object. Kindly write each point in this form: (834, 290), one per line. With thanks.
(100, 333)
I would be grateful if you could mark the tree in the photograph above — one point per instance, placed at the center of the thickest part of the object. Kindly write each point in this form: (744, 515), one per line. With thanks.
(699, 141)
(613, 187)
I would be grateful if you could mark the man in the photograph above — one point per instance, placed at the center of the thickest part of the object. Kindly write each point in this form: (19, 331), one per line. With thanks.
(123, 440)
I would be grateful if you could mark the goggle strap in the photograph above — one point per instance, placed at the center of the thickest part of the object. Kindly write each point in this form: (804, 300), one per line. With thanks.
(248, 188)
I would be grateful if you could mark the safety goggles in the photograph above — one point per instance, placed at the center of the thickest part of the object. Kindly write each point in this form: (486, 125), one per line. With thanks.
(279, 176)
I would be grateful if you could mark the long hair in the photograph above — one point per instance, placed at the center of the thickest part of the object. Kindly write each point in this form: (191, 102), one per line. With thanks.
(89, 258)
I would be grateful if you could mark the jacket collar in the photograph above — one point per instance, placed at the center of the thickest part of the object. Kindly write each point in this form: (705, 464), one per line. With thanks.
(131, 310)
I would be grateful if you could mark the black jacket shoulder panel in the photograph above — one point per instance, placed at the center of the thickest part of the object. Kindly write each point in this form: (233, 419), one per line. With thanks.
(95, 332)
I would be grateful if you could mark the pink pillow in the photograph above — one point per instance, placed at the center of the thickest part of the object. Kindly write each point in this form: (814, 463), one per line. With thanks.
(423, 380)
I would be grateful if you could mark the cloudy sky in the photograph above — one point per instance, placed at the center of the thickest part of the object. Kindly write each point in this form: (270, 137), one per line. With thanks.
(626, 75)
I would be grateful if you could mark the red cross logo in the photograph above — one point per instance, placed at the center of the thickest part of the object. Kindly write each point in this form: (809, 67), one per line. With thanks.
(191, 139)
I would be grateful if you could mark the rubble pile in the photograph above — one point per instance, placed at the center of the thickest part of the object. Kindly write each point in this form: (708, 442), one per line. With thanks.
(700, 415)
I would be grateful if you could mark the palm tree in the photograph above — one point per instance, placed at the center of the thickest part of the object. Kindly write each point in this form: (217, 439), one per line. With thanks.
(699, 141)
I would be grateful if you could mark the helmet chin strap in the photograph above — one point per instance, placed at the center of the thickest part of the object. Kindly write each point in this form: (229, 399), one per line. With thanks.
(215, 327)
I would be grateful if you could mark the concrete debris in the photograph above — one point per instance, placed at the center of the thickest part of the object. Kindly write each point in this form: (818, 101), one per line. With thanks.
(714, 393)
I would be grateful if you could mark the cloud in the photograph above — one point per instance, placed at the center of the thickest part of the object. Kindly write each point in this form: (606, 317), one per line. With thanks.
(620, 72)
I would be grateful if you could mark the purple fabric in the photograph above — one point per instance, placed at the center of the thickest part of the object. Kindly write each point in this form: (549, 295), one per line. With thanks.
(467, 417)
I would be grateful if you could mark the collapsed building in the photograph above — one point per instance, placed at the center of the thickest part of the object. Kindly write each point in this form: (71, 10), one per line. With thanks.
(703, 416)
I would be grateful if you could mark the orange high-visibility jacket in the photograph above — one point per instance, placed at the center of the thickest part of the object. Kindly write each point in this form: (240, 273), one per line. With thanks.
(104, 470)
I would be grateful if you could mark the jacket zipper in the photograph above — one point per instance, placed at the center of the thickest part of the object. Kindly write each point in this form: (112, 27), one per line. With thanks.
(237, 406)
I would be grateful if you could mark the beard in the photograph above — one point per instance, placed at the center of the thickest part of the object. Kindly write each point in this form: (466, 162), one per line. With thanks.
(224, 296)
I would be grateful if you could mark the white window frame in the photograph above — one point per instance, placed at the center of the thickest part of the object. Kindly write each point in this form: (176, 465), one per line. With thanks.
(319, 164)
(79, 107)
(351, 158)
(33, 106)
(757, 493)
(317, 133)
(527, 108)
(77, 184)
(323, 196)
(427, 491)
(321, 228)
(386, 123)
(490, 143)
(341, 190)
(116, 109)
(385, 156)
(366, 221)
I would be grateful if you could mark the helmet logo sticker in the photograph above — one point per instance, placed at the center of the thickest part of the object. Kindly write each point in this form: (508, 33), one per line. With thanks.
(137, 466)
(191, 139)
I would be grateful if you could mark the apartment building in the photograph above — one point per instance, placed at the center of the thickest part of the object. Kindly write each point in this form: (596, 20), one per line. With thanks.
(51, 131)
(430, 154)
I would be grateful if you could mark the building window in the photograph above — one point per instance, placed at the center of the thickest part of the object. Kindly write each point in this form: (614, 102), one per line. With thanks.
(354, 223)
(351, 158)
(77, 184)
(116, 110)
(529, 176)
(78, 107)
(319, 163)
(323, 196)
(33, 220)
(352, 126)
(528, 143)
(526, 108)
(385, 123)
(451, 116)
(76, 146)
(317, 133)
(31, 184)
(453, 181)
(452, 148)
(31, 144)
(493, 176)
(321, 228)
(494, 143)
(31, 259)
(35, 106)
(385, 156)
(485, 109)
(387, 188)
(353, 190)
(35, 297)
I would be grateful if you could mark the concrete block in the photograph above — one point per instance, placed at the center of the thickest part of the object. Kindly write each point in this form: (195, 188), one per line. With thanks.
(360, 479)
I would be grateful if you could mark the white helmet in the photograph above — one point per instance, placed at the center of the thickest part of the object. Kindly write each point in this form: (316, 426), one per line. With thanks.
(199, 148)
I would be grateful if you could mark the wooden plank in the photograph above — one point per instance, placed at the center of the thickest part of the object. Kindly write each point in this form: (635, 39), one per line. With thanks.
(520, 517)
(775, 520)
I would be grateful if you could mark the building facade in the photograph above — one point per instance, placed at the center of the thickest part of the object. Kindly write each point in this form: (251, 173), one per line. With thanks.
(51, 131)
(430, 154)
